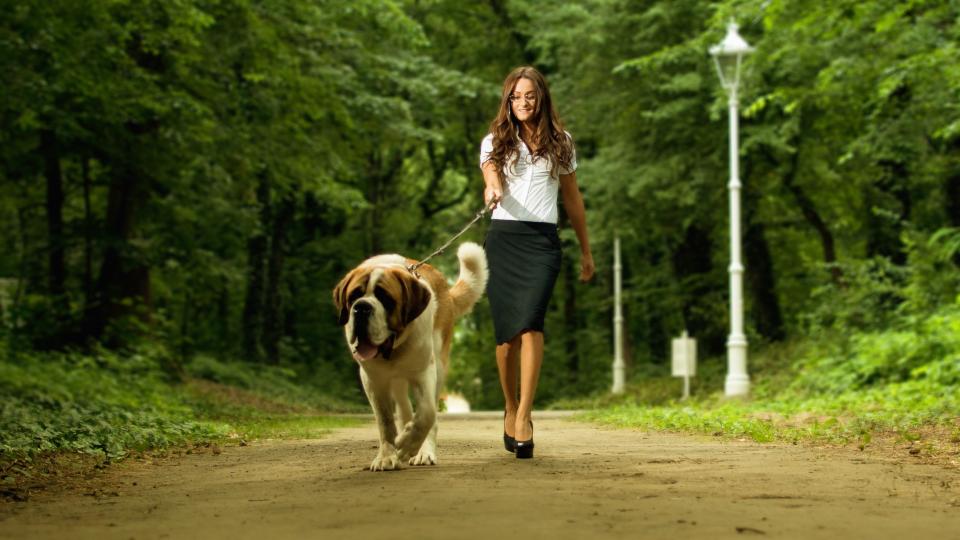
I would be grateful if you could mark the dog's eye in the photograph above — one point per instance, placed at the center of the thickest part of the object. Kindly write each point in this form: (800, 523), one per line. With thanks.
(354, 296)
(384, 298)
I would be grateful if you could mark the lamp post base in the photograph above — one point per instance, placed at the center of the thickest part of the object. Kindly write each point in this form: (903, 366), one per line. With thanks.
(618, 377)
(737, 386)
(738, 381)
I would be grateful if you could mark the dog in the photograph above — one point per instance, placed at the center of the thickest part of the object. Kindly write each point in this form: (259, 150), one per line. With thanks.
(399, 326)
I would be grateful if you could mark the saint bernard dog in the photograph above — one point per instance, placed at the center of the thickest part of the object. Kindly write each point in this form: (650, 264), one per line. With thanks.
(399, 326)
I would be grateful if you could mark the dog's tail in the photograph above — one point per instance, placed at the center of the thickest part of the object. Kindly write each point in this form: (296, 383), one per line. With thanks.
(473, 278)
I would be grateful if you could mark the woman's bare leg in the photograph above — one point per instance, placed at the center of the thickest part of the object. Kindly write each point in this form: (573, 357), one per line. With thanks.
(508, 356)
(531, 358)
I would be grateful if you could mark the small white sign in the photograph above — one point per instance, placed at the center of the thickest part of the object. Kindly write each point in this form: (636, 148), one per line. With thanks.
(684, 356)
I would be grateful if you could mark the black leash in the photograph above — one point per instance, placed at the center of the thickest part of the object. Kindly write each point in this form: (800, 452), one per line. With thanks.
(414, 267)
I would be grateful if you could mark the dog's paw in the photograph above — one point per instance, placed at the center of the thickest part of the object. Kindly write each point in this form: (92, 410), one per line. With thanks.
(425, 457)
(404, 455)
(405, 443)
(385, 461)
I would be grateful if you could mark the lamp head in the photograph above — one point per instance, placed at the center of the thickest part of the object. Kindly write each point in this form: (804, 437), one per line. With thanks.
(728, 56)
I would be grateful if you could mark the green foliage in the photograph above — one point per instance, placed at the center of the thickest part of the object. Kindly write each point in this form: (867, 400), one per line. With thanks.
(842, 390)
(222, 163)
(858, 372)
(916, 361)
(105, 403)
(291, 426)
(283, 386)
(111, 404)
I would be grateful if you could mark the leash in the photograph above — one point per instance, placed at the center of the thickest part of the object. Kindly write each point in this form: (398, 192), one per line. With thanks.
(414, 267)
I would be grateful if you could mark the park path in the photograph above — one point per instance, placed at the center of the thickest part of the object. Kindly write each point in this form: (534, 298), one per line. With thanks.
(585, 482)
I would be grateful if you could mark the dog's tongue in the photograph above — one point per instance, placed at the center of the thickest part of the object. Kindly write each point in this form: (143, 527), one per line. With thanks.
(364, 351)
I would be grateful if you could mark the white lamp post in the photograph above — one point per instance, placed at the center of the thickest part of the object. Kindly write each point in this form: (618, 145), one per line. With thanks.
(619, 366)
(727, 56)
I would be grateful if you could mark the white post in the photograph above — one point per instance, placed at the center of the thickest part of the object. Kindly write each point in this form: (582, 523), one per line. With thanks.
(618, 364)
(688, 361)
(683, 360)
(738, 382)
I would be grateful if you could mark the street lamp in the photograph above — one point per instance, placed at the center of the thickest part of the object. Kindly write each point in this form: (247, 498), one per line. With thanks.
(619, 366)
(728, 56)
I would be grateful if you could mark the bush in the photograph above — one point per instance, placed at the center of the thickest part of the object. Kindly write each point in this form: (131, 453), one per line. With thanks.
(103, 403)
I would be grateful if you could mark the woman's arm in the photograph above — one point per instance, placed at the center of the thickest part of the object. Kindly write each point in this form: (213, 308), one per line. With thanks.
(573, 204)
(493, 190)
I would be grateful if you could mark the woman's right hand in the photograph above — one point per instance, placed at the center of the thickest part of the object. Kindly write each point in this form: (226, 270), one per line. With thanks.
(492, 196)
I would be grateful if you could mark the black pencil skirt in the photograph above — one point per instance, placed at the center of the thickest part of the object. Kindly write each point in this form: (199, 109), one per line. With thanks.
(524, 261)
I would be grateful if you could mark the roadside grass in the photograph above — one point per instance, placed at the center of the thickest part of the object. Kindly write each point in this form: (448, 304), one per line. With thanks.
(269, 411)
(896, 389)
(292, 427)
(71, 411)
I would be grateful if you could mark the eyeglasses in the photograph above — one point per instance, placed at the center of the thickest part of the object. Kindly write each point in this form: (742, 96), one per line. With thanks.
(529, 98)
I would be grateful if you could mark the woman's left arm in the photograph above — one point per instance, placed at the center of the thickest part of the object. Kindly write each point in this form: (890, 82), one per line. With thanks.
(573, 204)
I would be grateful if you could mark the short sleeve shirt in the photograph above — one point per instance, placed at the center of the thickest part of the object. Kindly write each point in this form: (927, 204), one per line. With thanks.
(530, 191)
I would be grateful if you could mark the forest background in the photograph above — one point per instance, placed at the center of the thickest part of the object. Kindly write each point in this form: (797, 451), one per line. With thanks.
(183, 182)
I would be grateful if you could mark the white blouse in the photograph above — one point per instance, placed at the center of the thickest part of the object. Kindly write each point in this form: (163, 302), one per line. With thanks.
(530, 193)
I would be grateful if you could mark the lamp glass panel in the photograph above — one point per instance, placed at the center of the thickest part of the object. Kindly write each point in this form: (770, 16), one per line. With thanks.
(729, 67)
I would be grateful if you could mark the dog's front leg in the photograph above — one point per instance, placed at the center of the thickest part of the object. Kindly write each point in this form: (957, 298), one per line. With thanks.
(428, 450)
(425, 394)
(382, 404)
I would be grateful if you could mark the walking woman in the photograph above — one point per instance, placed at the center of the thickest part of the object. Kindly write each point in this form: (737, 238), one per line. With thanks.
(526, 159)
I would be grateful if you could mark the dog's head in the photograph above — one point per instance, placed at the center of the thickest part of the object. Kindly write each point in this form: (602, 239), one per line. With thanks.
(375, 305)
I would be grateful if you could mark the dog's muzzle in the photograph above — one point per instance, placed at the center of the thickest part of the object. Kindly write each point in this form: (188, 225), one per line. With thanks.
(362, 346)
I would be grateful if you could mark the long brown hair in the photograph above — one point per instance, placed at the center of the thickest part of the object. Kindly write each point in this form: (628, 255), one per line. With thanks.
(551, 140)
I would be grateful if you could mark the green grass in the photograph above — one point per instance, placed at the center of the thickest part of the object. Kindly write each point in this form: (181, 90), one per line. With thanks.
(112, 405)
(901, 382)
(763, 421)
(292, 427)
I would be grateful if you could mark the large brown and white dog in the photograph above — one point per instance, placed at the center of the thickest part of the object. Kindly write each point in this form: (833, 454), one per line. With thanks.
(399, 327)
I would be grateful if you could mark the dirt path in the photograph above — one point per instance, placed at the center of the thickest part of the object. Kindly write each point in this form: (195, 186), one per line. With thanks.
(585, 482)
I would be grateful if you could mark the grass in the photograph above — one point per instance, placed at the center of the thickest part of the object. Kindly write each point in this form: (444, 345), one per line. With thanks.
(796, 398)
(292, 427)
(251, 414)
(69, 408)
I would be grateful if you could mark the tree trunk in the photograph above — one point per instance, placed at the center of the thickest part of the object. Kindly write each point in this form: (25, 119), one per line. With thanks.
(810, 213)
(373, 195)
(766, 305)
(88, 291)
(252, 325)
(571, 325)
(952, 189)
(57, 271)
(273, 316)
(227, 345)
(884, 231)
(759, 275)
(123, 288)
(384, 167)
(186, 341)
(691, 267)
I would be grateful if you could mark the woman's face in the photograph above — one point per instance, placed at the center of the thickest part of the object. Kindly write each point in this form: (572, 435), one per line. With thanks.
(523, 100)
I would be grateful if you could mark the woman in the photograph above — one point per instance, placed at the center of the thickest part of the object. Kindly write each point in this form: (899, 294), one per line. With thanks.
(526, 159)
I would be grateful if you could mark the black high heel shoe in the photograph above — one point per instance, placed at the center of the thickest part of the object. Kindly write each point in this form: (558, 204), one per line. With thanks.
(524, 449)
(509, 443)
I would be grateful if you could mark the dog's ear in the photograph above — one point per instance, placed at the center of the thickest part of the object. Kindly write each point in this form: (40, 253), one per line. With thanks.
(414, 297)
(340, 301)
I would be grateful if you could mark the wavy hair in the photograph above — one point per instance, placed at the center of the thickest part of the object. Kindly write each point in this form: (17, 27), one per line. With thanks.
(551, 140)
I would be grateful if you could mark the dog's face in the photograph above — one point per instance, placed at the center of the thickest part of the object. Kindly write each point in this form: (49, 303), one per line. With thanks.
(375, 305)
